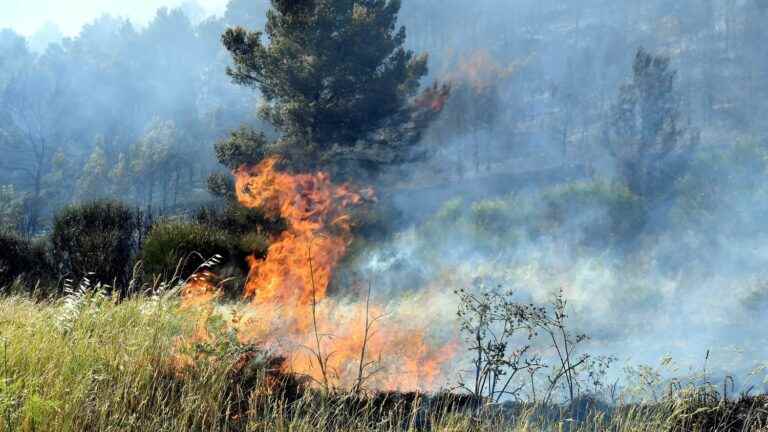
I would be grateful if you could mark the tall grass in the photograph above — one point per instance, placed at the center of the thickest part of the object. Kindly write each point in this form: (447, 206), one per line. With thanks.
(89, 362)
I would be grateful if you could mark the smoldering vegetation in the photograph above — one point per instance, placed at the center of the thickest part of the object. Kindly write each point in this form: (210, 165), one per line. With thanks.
(563, 210)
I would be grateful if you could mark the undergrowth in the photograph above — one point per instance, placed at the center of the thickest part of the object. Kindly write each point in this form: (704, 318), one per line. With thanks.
(92, 362)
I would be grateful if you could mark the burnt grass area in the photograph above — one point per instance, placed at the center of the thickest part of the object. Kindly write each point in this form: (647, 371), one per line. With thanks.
(258, 383)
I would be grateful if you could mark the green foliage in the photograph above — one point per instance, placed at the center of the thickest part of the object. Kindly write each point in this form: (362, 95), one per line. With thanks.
(11, 209)
(489, 225)
(490, 216)
(607, 212)
(178, 248)
(730, 183)
(90, 363)
(237, 219)
(337, 82)
(244, 146)
(175, 247)
(451, 211)
(95, 239)
(599, 214)
(221, 185)
(94, 180)
(22, 259)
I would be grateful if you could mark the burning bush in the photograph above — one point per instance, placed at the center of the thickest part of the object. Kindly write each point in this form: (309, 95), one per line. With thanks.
(332, 341)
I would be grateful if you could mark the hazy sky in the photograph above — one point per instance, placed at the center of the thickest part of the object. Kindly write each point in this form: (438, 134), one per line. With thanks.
(27, 16)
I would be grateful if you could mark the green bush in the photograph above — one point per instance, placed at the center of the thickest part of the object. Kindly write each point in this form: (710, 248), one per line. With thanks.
(236, 219)
(451, 212)
(96, 240)
(490, 216)
(21, 259)
(177, 245)
(605, 211)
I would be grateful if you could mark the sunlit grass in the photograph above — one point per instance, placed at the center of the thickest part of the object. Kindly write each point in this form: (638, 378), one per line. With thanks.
(91, 363)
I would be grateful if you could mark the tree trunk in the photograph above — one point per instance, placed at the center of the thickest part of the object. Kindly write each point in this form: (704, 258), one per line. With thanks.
(476, 152)
(176, 188)
(34, 209)
(166, 182)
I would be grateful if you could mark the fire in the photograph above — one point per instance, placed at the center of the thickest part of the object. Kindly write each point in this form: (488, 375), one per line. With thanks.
(434, 98)
(339, 342)
(299, 264)
(199, 293)
(480, 70)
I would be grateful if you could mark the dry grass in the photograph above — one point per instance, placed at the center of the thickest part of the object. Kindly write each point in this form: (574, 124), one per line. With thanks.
(91, 363)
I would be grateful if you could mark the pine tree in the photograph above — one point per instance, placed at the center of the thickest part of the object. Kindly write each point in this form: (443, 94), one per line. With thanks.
(647, 136)
(337, 84)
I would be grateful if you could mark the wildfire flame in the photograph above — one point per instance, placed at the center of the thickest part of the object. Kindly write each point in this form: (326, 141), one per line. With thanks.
(341, 342)
(299, 264)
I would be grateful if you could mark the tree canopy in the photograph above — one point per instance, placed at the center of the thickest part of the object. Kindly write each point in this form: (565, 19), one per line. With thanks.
(338, 85)
(649, 140)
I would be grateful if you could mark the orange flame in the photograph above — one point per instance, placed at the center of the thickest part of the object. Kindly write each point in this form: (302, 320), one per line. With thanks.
(434, 98)
(299, 264)
(290, 311)
(480, 70)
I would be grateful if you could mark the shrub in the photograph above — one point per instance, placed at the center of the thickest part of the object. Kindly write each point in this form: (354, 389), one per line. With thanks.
(11, 208)
(490, 216)
(604, 211)
(95, 239)
(173, 244)
(236, 219)
(22, 259)
(451, 211)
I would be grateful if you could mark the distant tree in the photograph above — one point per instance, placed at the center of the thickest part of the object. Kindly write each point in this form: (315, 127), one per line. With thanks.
(94, 179)
(647, 136)
(60, 184)
(337, 84)
(49, 33)
(565, 97)
(473, 108)
(11, 209)
(569, 99)
(157, 161)
(193, 11)
(15, 56)
(53, 104)
(33, 124)
(119, 177)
